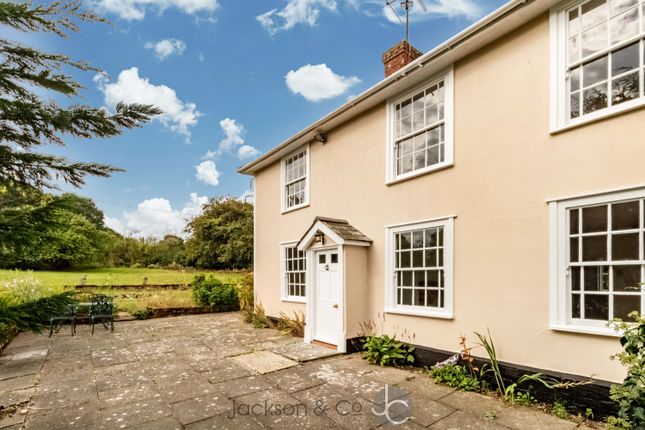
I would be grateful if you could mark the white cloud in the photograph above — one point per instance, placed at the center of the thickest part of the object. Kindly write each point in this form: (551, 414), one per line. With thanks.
(234, 138)
(207, 173)
(156, 217)
(136, 9)
(469, 9)
(234, 132)
(246, 151)
(295, 12)
(247, 196)
(166, 47)
(319, 82)
(177, 115)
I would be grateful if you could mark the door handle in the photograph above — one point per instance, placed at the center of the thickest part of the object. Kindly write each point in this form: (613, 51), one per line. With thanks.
(335, 306)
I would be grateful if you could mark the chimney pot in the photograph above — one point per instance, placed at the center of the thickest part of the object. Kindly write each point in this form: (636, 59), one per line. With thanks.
(399, 56)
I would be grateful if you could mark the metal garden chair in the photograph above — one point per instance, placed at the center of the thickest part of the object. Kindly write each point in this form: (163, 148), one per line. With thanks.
(56, 322)
(102, 310)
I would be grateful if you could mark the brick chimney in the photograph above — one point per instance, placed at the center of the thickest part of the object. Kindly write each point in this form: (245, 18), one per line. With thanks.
(399, 56)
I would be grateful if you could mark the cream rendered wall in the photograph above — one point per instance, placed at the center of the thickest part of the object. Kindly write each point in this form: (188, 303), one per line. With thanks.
(506, 167)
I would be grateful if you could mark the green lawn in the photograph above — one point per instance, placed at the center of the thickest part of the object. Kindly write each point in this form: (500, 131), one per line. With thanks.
(117, 276)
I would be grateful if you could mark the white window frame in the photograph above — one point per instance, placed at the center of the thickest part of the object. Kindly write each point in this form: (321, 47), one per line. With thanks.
(559, 115)
(283, 182)
(447, 312)
(447, 76)
(560, 299)
(284, 291)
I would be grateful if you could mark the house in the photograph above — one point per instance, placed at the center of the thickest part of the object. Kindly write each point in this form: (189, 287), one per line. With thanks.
(497, 181)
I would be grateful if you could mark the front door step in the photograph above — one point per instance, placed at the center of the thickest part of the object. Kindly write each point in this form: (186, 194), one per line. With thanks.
(303, 352)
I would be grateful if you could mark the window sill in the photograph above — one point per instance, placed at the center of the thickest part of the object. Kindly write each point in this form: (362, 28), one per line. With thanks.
(585, 329)
(295, 208)
(293, 300)
(600, 115)
(420, 313)
(421, 172)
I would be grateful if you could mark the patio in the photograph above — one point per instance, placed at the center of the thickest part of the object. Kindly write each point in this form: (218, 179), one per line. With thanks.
(216, 372)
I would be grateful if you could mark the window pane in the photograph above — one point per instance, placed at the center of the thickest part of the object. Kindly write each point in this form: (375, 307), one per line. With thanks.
(334, 258)
(595, 71)
(574, 78)
(624, 60)
(573, 249)
(575, 306)
(595, 98)
(624, 305)
(624, 246)
(594, 248)
(575, 278)
(419, 297)
(322, 259)
(432, 278)
(433, 298)
(594, 219)
(433, 155)
(594, 40)
(573, 49)
(617, 6)
(573, 221)
(624, 26)
(417, 239)
(406, 298)
(596, 278)
(624, 216)
(597, 307)
(594, 12)
(419, 278)
(625, 88)
(431, 258)
(405, 240)
(406, 278)
(405, 259)
(431, 237)
(417, 258)
(627, 278)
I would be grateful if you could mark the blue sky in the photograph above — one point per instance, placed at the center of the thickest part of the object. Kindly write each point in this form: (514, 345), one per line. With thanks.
(235, 79)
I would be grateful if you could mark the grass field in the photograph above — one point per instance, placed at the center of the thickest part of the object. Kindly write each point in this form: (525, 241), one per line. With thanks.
(116, 276)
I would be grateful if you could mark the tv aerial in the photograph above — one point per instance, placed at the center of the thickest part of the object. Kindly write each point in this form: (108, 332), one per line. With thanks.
(406, 5)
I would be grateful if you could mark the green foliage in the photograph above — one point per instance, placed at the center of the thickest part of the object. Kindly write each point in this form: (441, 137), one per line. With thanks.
(294, 326)
(524, 398)
(387, 351)
(559, 409)
(210, 291)
(144, 314)
(615, 423)
(222, 236)
(33, 315)
(245, 296)
(259, 318)
(455, 376)
(28, 119)
(144, 252)
(630, 395)
(44, 231)
(510, 392)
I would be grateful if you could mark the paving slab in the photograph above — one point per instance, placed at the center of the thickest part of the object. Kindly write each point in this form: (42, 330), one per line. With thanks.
(193, 372)
(303, 352)
(263, 362)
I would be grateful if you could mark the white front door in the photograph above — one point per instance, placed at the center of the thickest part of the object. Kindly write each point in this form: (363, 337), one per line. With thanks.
(329, 315)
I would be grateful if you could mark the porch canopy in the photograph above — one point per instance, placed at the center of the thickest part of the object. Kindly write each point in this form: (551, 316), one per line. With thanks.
(338, 230)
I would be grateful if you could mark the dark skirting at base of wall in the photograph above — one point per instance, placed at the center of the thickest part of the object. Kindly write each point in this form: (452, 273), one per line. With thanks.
(579, 398)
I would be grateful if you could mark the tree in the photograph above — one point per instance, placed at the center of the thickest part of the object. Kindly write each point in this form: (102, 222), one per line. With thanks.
(27, 121)
(222, 236)
(40, 230)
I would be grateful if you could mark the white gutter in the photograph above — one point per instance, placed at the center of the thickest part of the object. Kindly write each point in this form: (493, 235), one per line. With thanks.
(308, 133)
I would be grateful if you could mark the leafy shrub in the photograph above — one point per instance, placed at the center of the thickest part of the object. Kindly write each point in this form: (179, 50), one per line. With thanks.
(210, 291)
(455, 376)
(630, 396)
(144, 314)
(245, 297)
(259, 318)
(524, 398)
(387, 351)
(559, 409)
(294, 326)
